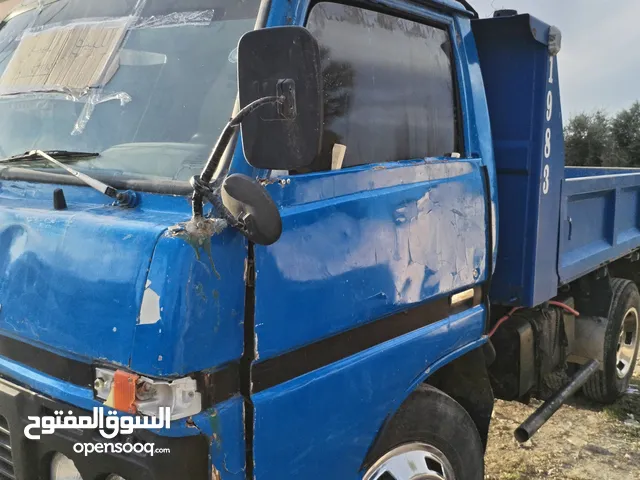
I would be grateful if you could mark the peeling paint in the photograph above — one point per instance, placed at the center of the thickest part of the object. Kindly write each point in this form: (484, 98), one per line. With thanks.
(150, 308)
(392, 237)
(256, 353)
(214, 422)
(200, 292)
(233, 472)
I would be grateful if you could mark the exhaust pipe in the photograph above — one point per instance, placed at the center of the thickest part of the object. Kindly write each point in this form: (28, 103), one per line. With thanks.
(538, 418)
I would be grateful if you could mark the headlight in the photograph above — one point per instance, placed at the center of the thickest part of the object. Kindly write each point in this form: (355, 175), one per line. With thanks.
(63, 468)
(181, 395)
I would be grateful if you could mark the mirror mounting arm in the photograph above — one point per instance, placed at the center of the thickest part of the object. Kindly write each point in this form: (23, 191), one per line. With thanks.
(211, 192)
(200, 184)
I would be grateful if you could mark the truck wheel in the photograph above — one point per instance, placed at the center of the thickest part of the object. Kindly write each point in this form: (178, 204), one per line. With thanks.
(552, 383)
(431, 437)
(620, 345)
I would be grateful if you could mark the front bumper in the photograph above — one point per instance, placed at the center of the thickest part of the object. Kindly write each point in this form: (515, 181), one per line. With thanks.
(24, 459)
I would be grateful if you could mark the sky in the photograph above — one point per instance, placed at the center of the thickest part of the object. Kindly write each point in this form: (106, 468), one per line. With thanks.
(599, 64)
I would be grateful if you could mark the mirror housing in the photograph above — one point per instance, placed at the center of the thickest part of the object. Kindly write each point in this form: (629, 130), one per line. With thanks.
(285, 62)
(250, 205)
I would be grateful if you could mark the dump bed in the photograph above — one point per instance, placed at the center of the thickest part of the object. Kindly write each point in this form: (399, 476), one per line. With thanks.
(556, 224)
(599, 218)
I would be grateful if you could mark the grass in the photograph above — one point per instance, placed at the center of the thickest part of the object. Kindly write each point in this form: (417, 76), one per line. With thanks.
(627, 405)
(522, 472)
(627, 408)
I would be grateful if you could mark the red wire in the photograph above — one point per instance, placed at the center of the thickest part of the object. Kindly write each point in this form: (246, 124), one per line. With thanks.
(515, 309)
(566, 307)
(502, 320)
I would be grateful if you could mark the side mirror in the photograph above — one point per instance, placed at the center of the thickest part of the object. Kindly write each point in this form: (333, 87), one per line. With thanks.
(285, 62)
(251, 206)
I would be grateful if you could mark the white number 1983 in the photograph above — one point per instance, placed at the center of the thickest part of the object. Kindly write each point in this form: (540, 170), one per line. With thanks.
(547, 133)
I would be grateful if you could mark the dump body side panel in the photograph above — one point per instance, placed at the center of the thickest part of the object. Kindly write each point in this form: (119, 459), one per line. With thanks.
(600, 219)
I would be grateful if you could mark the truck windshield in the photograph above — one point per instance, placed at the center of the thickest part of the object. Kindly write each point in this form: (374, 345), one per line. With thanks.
(147, 83)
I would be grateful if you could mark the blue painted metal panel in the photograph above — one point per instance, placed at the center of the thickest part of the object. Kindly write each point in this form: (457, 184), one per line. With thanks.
(478, 136)
(224, 426)
(365, 242)
(600, 219)
(200, 293)
(521, 81)
(322, 424)
(74, 281)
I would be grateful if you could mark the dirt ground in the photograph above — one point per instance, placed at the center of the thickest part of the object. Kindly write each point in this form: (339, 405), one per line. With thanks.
(583, 440)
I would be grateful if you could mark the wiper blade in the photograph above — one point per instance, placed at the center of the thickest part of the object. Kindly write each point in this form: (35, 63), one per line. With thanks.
(54, 153)
(125, 199)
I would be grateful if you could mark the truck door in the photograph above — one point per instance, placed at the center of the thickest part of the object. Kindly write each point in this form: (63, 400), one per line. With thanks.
(378, 235)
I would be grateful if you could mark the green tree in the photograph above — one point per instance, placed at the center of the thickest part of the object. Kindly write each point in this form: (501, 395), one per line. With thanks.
(589, 141)
(625, 128)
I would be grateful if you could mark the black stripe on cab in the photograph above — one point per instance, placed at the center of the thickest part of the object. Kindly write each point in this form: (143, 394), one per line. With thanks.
(52, 364)
(217, 386)
(288, 366)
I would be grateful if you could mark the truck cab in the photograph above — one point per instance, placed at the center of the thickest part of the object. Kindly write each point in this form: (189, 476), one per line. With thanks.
(342, 332)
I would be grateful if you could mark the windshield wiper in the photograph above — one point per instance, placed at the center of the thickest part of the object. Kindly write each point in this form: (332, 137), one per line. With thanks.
(125, 199)
(32, 155)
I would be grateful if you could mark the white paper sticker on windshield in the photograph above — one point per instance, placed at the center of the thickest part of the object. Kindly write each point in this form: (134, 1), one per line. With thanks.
(73, 57)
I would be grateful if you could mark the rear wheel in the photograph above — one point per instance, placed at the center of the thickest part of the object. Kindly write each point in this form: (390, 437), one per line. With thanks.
(621, 344)
(430, 438)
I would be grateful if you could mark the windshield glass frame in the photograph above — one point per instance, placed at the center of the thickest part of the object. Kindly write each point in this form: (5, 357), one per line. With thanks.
(39, 172)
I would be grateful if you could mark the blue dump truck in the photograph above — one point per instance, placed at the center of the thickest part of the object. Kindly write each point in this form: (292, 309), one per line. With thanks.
(324, 235)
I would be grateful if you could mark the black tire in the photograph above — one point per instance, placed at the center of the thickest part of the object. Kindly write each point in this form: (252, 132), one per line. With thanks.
(431, 417)
(552, 383)
(605, 386)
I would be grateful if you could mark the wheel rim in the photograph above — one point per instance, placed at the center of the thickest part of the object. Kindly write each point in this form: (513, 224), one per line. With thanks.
(416, 461)
(627, 343)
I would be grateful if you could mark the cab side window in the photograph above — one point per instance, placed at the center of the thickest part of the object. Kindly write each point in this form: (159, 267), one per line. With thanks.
(388, 86)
